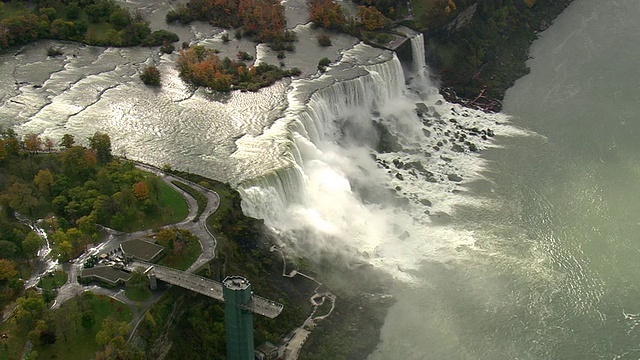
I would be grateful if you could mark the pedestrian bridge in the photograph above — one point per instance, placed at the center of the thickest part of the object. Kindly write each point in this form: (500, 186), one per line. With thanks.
(204, 286)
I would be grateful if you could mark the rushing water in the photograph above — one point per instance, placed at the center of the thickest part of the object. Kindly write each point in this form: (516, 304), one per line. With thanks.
(524, 250)
(553, 273)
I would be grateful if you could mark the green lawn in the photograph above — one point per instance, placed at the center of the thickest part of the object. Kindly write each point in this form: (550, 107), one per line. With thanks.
(201, 199)
(185, 260)
(174, 208)
(11, 347)
(52, 282)
(80, 343)
(137, 294)
(171, 199)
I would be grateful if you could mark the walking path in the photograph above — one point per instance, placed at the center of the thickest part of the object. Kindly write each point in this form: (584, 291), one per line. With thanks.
(114, 238)
(291, 348)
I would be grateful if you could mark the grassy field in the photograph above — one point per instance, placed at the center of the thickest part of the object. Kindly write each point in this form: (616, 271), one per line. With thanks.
(171, 199)
(173, 206)
(182, 262)
(81, 343)
(137, 294)
(51, 282)
(201, 199)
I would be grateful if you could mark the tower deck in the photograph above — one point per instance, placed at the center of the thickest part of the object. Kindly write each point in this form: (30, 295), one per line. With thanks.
(211, 288)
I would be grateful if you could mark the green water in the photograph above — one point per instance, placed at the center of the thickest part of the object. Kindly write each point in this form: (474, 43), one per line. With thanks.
(555, 270)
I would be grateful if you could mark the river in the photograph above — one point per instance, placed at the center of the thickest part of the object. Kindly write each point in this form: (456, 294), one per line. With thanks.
(553, 273)
(524, 250)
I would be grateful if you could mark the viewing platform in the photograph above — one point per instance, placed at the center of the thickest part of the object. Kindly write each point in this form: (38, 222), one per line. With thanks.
(211, 288)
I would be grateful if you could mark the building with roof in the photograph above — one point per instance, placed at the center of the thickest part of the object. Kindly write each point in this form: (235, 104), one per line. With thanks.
(106, 274)
(266, 351)
(141, 249)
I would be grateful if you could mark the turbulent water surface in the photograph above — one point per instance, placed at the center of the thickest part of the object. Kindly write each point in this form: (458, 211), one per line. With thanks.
(553, 272)
(525, 249)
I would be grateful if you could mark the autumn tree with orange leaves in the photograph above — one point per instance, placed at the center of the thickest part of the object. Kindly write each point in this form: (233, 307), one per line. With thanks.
(200, 66)
(262, 19)
(327, 13)
(371, 18)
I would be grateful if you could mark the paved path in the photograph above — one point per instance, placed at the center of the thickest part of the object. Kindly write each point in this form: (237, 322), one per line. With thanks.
(291, 348)
(114, 238)
(207, 287)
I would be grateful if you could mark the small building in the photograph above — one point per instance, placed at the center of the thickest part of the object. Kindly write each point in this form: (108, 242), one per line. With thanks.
(106, 274)
(266, 351)
(141, 249)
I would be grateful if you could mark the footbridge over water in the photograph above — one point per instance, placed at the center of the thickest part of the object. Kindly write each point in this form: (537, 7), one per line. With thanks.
(201, 285)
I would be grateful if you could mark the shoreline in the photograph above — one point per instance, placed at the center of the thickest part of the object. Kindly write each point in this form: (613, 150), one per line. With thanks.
(482, 86)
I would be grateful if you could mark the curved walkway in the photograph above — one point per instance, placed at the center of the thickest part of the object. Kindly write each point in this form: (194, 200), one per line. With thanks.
(291, 348)
(114, 238)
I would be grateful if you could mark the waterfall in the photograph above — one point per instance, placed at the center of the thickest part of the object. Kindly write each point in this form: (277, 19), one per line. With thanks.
(328, 128)
(418, 53)
(333, 193)
(317, 110)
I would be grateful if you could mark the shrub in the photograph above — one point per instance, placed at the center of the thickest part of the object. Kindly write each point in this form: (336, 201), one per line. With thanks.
(324, 40)
(244, 56)
(324, 62)
(160, 37)
(53, 52)
(281, 55)
(167, 48)
(225, 37)
(293, 72)
(150, 76)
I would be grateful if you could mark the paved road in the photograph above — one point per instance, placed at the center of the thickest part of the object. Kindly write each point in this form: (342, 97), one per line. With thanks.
(114, 238)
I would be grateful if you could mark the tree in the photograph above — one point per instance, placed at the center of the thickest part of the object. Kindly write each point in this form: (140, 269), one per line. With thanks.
(48, 144)
(28, 310)
(31, 244)
(8, 249)
(88, 319)
(78, 162)
(112, 331)
(67, 141)
(141, 190)
(20, 197)
(7, 269)
(327, 13)
(138, 280)
(66, 318)
(43, 180)
(371, 18)
(101, 144)
(324, 40)
(33, 143)
(120, 19)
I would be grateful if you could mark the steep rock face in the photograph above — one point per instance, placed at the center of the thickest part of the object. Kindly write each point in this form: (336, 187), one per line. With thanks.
(482, 50)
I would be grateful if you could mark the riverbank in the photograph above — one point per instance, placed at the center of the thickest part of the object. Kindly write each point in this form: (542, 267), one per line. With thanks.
(483, 50)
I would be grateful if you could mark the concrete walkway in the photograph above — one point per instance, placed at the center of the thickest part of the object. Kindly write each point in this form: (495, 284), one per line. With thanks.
(114, 238)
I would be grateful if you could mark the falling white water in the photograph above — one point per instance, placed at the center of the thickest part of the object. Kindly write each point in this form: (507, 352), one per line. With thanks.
(418, 54)
(339, 195)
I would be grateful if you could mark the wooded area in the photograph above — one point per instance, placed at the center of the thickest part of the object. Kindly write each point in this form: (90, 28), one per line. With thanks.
(94, 22)
(200, 66)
